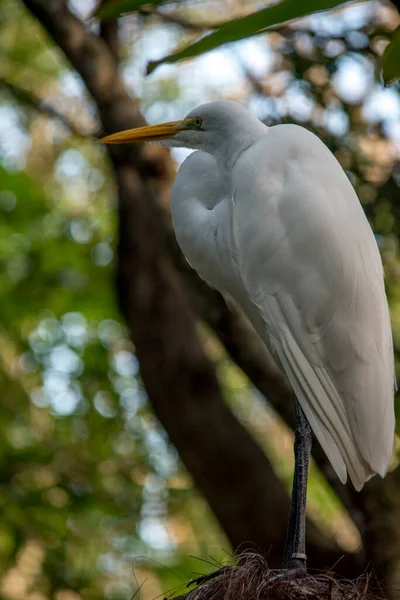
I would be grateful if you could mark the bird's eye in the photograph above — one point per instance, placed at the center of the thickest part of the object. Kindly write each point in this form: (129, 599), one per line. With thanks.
(198, 122)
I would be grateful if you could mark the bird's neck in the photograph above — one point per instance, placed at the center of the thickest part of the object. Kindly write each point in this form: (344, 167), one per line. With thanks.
(229, 151)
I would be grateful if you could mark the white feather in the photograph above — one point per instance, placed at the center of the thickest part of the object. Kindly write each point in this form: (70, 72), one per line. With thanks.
(278, 227)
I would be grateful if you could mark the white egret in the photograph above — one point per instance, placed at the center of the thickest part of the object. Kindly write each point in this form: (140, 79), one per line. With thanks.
(267, 216)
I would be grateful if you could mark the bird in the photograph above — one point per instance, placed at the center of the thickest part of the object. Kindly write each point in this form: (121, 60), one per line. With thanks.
(267, 216)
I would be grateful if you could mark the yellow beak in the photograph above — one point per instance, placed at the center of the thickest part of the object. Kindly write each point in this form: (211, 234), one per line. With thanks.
(150, 133)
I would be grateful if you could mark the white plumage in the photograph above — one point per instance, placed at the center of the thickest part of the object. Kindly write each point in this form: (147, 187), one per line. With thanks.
(268, 217)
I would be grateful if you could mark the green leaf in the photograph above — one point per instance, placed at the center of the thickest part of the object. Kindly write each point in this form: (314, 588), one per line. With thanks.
(250, 25)
(391, 59)
(115, 8)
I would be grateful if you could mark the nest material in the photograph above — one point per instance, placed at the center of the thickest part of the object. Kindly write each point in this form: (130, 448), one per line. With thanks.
(252, 580)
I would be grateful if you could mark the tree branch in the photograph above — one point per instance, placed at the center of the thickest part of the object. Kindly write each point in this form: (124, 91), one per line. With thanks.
(95, 63)
(39, 105)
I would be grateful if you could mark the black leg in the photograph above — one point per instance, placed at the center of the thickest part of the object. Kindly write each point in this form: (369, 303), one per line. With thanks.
(294, 556)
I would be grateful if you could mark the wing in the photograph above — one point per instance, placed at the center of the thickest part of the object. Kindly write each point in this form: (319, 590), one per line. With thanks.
(310, 264)
(201, 216)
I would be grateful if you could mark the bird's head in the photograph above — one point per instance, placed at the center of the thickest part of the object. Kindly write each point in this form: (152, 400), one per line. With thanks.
(206, 127)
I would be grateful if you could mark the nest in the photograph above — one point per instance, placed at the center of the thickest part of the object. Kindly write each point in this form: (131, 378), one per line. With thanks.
(252, 580)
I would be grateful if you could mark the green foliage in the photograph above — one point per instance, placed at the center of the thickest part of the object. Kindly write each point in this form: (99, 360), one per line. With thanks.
(83, 465)
(88, 480)
(248, 26)
(391, 59)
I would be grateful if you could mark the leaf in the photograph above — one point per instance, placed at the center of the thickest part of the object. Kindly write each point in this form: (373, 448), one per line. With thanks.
(391, 59)
(115, 8)
(247, 26)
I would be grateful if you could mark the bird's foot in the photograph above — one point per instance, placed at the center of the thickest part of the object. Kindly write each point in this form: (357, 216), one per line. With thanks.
(208, 576)
(294, 560)
(297, 562)
(292, 571)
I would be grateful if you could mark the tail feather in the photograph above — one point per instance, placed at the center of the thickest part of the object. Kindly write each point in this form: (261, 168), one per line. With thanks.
(325, 412)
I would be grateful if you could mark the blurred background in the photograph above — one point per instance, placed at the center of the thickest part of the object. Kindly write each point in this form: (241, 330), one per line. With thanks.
(113, 476)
